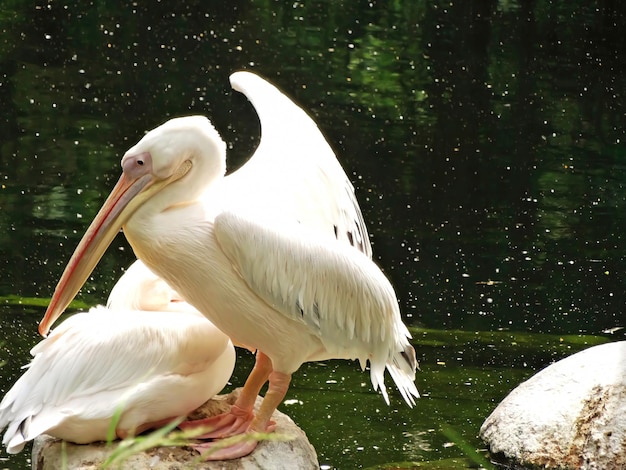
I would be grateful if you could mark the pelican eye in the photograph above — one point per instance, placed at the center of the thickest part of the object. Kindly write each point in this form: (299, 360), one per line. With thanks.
(133, 165)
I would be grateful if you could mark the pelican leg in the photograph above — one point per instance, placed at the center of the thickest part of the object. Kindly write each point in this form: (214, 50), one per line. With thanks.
(279, 383)
(278, 386)
(238, 419)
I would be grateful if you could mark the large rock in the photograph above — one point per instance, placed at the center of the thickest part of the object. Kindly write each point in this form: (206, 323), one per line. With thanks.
(572, 414)
(48, 453)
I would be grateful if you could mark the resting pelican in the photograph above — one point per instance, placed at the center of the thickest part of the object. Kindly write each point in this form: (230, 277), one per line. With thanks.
(276, 255)
(153, 365)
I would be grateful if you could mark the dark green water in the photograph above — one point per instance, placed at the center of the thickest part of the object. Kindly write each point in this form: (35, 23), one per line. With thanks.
(485, 139)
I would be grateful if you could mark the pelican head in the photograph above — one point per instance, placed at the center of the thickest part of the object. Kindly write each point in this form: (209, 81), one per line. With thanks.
(140, 289)
(186, 149)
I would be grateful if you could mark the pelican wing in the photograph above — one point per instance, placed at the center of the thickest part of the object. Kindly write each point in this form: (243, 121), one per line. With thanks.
(96, 361)
(337, 291)
(308, 185)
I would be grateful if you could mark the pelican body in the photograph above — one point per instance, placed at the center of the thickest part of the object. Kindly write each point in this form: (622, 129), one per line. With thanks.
(147, 354)
(276, 254)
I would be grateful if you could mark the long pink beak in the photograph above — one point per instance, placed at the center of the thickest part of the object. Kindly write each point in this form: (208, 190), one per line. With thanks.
(94, 243)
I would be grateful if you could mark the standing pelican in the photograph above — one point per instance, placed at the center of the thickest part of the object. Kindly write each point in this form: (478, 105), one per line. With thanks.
(147, 355)
(276, 255)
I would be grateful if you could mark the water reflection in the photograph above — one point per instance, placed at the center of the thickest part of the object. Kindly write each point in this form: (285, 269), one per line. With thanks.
(485, 141)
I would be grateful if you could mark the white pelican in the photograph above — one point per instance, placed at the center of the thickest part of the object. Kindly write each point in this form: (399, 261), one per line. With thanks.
(276, 255)
(154, 365)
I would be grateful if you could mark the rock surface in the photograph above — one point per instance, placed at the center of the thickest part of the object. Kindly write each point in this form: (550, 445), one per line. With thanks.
(572, 414)
(296, 453)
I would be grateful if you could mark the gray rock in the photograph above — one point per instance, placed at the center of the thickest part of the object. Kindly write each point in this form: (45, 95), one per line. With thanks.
(572, 414)
(48, 452)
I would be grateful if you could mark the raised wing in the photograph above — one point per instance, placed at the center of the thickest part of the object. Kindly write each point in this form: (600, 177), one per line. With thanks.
(294, 173)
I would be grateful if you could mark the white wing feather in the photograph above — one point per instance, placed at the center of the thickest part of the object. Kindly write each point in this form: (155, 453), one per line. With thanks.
(296, 184)
(91, 357)
(336, 291)
(294, 156)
